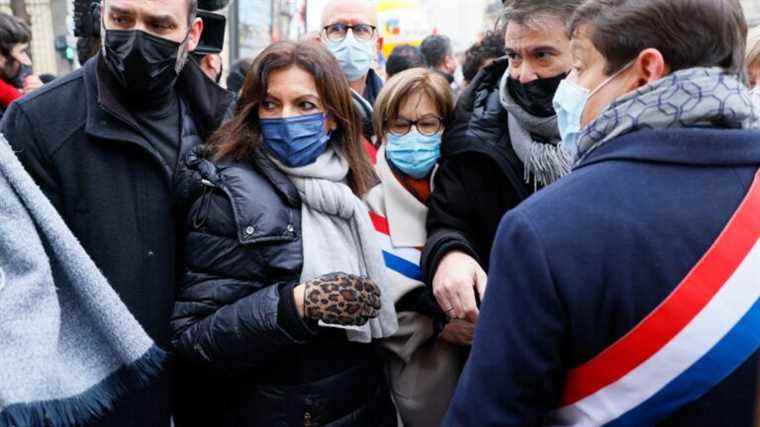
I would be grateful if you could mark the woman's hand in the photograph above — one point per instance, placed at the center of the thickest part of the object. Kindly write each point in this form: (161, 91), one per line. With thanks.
(338, 298)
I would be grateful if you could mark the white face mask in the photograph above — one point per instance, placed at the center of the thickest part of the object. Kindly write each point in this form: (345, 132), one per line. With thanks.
(354, 56)
(570, 103)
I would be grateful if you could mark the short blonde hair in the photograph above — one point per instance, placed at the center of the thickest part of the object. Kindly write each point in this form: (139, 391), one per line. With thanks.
(753, 46)
(409, 82)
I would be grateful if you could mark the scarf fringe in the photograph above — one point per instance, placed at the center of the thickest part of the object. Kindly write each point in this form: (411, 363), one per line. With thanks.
(546, 163)
(92, 404)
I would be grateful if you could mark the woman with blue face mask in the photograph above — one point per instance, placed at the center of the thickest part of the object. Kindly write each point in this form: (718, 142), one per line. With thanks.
(410, 117)
(285, 287)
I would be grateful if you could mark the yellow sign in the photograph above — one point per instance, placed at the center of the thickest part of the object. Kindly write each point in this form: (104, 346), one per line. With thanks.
(401, 22)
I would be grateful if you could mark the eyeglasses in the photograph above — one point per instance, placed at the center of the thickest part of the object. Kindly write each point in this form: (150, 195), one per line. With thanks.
(338, 32)
(427, 126)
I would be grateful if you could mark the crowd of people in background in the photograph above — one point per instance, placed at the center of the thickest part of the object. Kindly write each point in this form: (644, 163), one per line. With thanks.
(558, 226)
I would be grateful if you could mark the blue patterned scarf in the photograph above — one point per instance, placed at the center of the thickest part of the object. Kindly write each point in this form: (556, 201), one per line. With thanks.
(691, 97)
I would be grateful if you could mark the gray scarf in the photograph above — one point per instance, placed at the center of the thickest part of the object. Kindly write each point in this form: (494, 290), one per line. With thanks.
(69, 349)
(545, 162)
(691, 97)
(338, 236)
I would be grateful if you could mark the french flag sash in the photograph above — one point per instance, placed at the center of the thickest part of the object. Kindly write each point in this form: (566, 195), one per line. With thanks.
(403, 261)
(706, 328)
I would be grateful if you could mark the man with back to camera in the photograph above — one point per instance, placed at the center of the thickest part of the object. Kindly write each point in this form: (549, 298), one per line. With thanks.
(103, 144)
(502, 145)
(626, 294)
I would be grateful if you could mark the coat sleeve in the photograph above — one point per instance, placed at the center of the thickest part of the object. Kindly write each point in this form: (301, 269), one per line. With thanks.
(450, 215)
(515, 372)
(227, 324)
(223, 319)
(19, 131)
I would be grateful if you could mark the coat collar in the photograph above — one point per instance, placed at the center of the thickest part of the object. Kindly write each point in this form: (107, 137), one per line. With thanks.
(694, 146)
(109, 118)
(406, 215)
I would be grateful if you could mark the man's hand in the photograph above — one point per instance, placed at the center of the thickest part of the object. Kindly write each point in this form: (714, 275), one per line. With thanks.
(458, 332)
(32, 83)
(456, 280)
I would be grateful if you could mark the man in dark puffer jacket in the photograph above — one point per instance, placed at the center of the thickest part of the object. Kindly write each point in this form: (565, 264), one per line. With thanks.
(503, 144)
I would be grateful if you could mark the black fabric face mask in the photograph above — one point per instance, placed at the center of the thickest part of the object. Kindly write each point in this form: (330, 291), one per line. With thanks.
(145, 65)
(22, 72)
(536, 97)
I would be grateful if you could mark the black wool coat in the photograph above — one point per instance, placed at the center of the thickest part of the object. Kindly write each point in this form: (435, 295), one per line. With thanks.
(479, 177)
(80, 143)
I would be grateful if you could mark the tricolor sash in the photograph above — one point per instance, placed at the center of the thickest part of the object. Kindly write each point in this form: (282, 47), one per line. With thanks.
(403, 261)
(706, 328)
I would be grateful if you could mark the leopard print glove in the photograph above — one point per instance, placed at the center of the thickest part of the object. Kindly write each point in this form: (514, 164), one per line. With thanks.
(341, 299)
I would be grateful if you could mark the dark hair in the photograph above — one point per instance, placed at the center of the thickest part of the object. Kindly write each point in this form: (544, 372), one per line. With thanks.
(238, 71)
(402, 58)
(688, 33)
(240, 137)
(13, 31)
(490, 47)
(435, 49)
(527, 11)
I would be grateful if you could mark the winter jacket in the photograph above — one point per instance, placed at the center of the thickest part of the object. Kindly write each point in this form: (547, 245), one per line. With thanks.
(422, 369)
(479, 177)
(112, 188)
(579, 264)
(235, 324)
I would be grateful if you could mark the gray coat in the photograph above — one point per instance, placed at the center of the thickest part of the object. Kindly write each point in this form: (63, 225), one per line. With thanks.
(69, 348)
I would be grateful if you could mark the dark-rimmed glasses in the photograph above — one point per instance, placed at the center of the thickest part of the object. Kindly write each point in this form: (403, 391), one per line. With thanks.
(337, 32)
(427, 126)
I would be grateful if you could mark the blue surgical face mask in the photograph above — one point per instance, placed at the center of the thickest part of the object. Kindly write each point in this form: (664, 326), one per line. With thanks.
(354, 56)
(414, 154)
(295, 141)
(570, 103)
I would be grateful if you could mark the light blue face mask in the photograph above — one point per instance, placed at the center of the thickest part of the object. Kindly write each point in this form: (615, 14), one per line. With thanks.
(295, 141)
(414, 154)
(354, 56)
(570, 102)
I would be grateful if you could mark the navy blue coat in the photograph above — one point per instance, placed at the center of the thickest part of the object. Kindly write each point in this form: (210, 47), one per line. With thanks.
(580, 263)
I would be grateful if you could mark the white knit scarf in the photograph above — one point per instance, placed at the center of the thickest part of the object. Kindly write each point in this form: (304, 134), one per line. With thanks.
(338, 236)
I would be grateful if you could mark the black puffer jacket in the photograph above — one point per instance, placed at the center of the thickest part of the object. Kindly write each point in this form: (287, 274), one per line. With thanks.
(253, 361)
(479, 177)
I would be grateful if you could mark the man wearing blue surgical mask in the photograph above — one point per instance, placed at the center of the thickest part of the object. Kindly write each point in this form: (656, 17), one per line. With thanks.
(626, 294)
(104, 143)
(350, 33)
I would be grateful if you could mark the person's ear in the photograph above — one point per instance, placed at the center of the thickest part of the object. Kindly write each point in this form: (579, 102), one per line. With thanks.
(649, 67)
(379, 43)
(194, 36)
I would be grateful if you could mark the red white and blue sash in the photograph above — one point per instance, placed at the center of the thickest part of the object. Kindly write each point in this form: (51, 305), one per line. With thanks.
(404, 261)
(693, 340)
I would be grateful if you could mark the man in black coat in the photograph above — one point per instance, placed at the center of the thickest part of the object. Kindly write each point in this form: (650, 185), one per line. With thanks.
(501, 146)
(103, 144)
